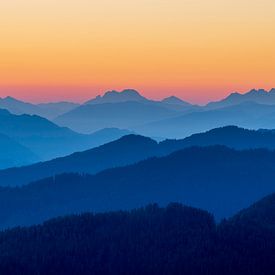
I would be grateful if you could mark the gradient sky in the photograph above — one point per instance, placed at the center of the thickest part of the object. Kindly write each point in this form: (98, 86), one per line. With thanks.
(196, 49)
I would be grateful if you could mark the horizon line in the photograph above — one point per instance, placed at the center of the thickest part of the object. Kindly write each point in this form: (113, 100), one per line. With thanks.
(73, 98)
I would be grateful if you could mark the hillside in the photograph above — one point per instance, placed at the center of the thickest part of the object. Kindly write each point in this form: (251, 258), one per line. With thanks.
(131, 149)
(217, 179)
(150, 240)
(126, 150)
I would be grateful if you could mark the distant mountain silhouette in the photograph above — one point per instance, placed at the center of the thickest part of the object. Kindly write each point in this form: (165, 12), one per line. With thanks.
(53, 109)
(91, 117)
(248, 115)
(175, 100)
(125, 109)
(46, 139)
(14, 154)
(115, 97)
(260, 96)
(19, 107)
(131, 149)
(217, 179)
(47, 110)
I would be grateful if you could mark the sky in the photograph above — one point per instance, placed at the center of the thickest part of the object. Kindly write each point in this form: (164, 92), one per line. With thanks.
(199, 50)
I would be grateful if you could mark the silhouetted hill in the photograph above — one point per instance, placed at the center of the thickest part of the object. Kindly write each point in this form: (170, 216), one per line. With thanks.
(217, 179)
(46, 139)
(151, 240)
(261, 213)
(260, 96)
(14, 154)
(249, 239)
(132, 149)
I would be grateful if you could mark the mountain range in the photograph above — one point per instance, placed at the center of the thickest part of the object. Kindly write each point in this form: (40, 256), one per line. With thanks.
(132, 148)
(124, 109)
(247, 115)
(115, 97)
(260, 96)
(167, 118)
(171, 117)
(217, 179)
(59, 159)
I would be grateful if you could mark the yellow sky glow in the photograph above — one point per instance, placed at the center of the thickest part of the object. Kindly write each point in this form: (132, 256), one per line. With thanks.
(196, 49)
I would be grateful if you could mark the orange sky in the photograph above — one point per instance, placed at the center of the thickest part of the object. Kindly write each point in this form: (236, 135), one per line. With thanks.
(196, 49)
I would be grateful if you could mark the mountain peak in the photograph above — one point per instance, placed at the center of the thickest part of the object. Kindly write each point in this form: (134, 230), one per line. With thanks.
(174, 100)
(115, 96)
(255, 92)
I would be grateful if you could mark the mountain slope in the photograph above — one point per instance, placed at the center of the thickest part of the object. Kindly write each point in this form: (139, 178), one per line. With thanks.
(261, 213)
(14, 154)
(249, 239)
(217, 179)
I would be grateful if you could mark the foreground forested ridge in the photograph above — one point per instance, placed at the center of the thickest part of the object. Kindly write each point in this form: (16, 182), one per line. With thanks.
(151, 240)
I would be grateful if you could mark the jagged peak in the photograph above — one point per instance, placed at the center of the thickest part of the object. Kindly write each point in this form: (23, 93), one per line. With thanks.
(115, 96)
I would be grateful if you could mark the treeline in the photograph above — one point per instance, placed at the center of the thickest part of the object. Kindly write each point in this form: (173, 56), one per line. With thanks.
(151, 240)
